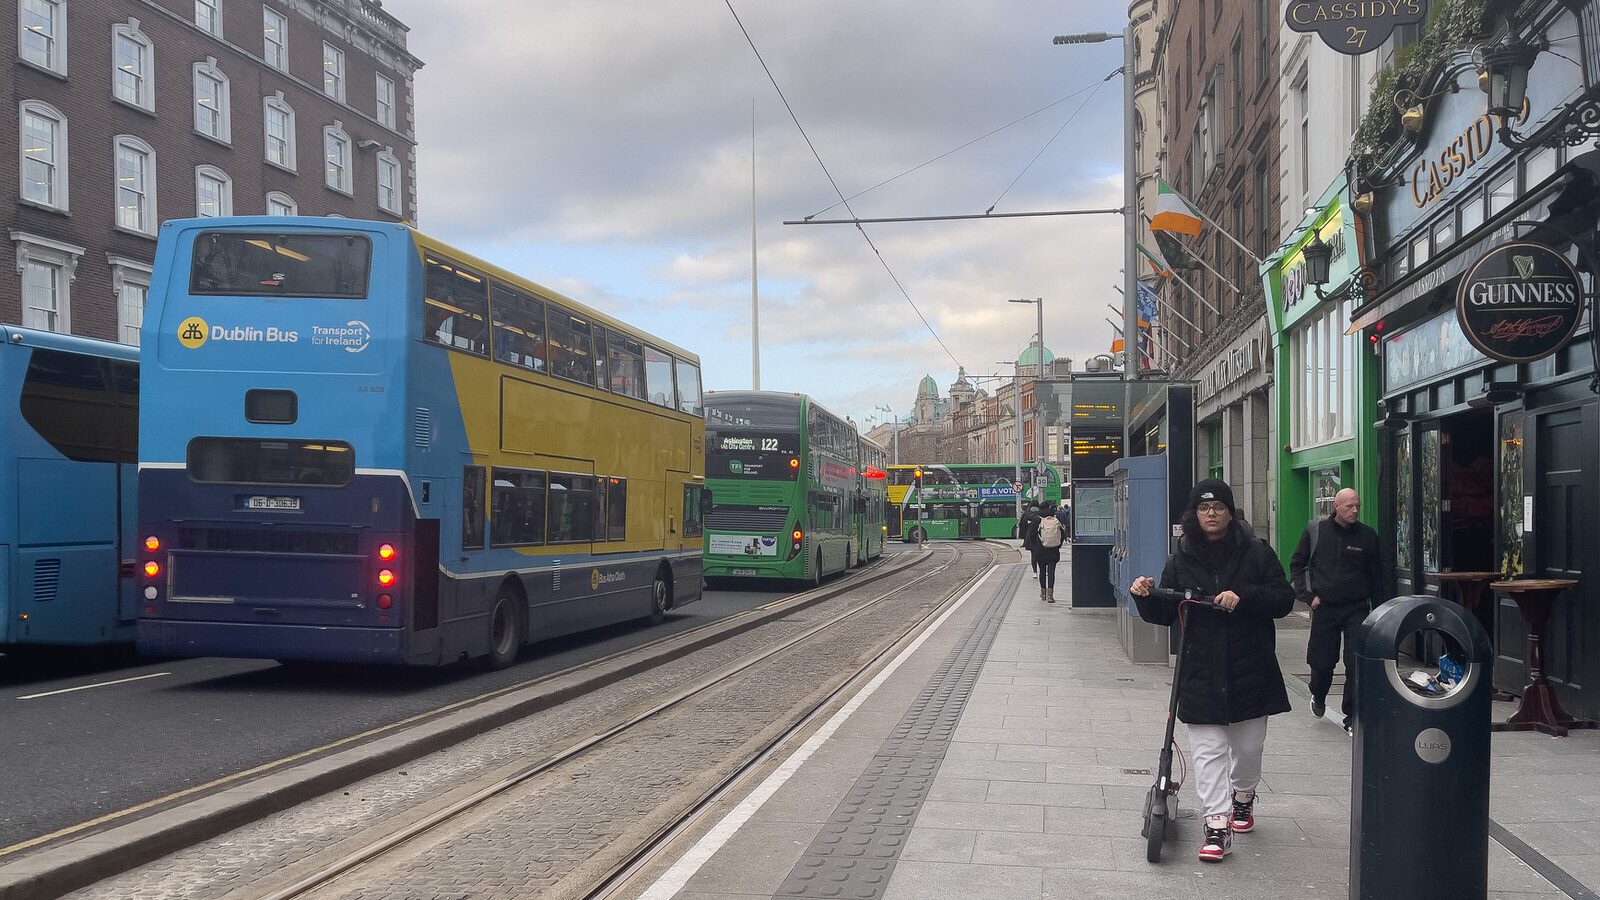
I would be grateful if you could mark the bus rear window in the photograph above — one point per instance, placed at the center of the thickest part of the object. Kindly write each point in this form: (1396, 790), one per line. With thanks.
(252, 461)
(234, 263)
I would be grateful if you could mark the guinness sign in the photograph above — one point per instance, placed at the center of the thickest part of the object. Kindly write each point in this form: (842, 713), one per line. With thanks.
(1353, 27)
(1520, 302)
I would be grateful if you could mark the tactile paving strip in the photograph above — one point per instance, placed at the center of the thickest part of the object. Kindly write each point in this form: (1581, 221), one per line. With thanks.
(854, 854)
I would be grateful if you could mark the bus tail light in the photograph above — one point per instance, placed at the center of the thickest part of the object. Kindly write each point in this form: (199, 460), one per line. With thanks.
(152, 569)
(385, 601)
(386, 578)
(152, 543)
(386, 552)
(794, 548)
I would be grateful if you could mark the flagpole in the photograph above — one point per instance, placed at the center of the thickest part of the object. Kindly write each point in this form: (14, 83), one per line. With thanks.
(1201, 297)
(1213, 223)
(1221, 277)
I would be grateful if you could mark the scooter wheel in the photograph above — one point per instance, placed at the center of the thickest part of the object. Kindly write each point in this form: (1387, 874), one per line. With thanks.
(1155, 824)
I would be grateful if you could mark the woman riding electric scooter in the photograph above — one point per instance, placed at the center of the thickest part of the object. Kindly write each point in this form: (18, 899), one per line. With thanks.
(1230, 677)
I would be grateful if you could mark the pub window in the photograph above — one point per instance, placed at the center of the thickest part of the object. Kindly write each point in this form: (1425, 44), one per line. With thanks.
(1537, 167)
(1444, 234)
(1471, 214)
(1419, 251)
(627, 367)
(518, 328)
(455, 308)
(472, 508)
(570, 353)
(1503, 192)
(616, 509)
(516, 510)
(574, 506)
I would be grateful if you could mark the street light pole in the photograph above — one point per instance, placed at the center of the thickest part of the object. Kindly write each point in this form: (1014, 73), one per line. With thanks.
(1130, 214)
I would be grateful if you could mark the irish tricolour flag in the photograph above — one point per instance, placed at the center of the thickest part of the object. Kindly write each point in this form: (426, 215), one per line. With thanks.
(1173, 213)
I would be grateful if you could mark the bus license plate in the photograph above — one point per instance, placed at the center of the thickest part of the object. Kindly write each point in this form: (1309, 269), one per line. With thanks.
(272, 503)
(741, 571)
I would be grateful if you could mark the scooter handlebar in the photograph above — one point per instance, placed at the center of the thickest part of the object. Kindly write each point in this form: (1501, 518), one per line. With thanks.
(1184, 596)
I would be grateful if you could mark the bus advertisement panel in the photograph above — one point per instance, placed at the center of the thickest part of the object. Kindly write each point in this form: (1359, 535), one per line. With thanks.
(68, 450)
(365, 446)
(786, 486)
(964, 500)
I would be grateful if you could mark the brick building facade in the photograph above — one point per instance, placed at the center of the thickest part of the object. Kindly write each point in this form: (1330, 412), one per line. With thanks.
(122, 113)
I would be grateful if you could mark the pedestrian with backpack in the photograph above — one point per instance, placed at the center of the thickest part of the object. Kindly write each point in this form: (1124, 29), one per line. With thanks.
(1047, 550)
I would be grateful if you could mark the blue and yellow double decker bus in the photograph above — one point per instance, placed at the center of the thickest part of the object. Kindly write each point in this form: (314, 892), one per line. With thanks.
(69, 442)
(363, 445)
(785, 481)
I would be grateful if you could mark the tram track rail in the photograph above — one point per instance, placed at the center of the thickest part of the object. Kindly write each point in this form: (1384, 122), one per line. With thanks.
(615, 879)
(56, 863)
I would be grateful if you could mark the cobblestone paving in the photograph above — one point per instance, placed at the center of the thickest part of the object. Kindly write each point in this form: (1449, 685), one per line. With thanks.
(242, 862)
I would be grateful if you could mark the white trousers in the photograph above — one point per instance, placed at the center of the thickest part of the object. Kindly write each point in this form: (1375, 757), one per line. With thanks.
(1227, 758)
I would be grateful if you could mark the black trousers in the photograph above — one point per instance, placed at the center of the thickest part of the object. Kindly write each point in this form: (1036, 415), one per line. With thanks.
(1330, 622)
(1045, 561)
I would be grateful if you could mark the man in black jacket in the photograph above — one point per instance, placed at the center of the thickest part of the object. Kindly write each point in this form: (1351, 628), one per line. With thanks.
(1337, 570)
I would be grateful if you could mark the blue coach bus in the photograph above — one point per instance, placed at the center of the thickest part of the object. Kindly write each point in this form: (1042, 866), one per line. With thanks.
(364, 446)
(68, 446)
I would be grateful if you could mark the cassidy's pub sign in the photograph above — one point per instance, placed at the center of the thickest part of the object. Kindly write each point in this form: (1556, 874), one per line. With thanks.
(1521, 301)
(1353, 27)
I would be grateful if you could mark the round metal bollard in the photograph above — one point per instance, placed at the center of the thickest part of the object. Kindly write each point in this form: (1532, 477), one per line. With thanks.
(1419, 787)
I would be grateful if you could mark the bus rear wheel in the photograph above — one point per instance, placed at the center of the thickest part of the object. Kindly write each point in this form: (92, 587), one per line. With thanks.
(914, 535)
(660, 598)
(505, 630)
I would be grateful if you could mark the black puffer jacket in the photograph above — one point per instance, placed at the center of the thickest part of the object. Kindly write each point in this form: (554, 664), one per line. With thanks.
(1230, 667)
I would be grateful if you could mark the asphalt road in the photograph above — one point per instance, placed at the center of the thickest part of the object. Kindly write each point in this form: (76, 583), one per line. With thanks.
(86, 734)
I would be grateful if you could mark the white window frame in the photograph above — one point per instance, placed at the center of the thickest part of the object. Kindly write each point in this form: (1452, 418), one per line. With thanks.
(58, 155)
(283, 199)
(148, 206)
(274, 53)
(388, 162)
(224, 192)
(280, 105)
(128, 273)
(63, 257)
(208, 71)
(210, 10)
(55, 59)
(346, 179)
(1323, 378)
(130, 32)
(333, 73)
(384, 106)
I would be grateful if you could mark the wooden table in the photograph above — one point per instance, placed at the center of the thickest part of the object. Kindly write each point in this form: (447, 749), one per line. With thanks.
(1469, 593)
(1539, 710)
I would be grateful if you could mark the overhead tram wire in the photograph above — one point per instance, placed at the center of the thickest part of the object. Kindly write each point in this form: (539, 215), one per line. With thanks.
(1092, 92)
(829, 175)
(982, 137)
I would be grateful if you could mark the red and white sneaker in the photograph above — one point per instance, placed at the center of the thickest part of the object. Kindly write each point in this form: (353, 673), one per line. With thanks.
(1244, 817)
(1218, 843)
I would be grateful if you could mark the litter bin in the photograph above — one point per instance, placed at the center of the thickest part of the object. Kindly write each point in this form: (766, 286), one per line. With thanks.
(1419, 804)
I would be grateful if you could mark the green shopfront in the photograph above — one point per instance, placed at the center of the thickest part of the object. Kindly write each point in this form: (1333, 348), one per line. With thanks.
(1325, 387)
(1490, 463)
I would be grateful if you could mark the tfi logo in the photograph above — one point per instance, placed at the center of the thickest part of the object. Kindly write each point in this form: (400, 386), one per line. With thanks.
(353, 336)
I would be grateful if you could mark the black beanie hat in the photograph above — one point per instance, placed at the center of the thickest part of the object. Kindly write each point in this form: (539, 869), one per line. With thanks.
(1212, 489)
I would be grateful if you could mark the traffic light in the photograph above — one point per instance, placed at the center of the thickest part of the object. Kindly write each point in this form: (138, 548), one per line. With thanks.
(916, 475)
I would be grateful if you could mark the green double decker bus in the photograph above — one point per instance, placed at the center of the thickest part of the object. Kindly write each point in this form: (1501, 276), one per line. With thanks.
(970, 501)
(791, 498)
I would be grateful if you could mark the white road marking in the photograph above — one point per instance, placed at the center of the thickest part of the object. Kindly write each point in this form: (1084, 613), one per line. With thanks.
(86, 687)
(674, 879)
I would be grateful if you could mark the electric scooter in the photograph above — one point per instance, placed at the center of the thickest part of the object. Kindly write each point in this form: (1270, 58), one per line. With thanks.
(1161, 804)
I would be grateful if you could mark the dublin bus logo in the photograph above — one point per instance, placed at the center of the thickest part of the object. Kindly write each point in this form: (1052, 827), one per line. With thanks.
(192, 332)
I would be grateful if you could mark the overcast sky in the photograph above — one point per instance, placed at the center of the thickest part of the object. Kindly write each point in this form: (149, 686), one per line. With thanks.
(604, 148)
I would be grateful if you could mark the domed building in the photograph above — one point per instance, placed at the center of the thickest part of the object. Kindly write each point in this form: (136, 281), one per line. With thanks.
(1028, 362)
(929, 408)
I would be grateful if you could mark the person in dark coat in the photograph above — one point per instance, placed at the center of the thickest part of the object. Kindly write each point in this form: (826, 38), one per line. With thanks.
(1028, 530)
(1231, 681)
(1337, 570)
(1048, 538)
